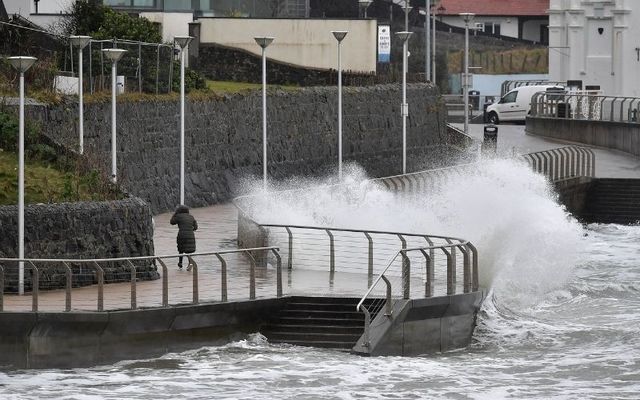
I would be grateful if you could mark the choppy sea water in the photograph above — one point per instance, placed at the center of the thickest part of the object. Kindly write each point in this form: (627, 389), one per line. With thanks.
(580, 341)
(561, 319)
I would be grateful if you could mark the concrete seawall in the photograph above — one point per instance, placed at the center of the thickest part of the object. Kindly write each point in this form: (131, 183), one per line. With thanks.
(611, 135)
(64, 340)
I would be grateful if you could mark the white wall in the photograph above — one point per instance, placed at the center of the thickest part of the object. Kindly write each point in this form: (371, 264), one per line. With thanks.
(302, 42)
(173, 23)
(22, 7)
(508, 25)
(531, 30)
(578, 51)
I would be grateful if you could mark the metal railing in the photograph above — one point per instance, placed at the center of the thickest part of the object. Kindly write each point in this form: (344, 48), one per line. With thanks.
(96, 267)
(563, 162)
(402, 289)
(507, 86)
(580, 106)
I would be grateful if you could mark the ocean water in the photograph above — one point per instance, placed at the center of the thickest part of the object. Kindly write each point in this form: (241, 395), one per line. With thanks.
(561, 319)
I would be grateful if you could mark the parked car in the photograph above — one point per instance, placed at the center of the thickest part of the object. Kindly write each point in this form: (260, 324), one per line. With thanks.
(516, 105)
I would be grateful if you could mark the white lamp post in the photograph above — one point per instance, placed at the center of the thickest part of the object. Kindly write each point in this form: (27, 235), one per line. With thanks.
(183, 42)
(427, 47)
(263, 42)
(404, 108)
(364, 4)
(407, 8)
(339, 35)
(80, 42)
(21, 64)
(467, 17)
(114, 55)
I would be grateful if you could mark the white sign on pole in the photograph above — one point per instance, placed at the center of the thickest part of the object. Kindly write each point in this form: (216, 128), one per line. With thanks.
(384, 43)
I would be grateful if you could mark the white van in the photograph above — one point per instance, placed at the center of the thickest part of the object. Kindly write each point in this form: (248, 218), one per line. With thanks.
(515, 105)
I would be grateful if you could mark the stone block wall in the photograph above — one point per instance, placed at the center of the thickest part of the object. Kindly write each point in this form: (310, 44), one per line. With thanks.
(224, 138)
(86, 230)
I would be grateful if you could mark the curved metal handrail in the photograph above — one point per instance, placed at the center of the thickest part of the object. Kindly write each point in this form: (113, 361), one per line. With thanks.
(95, 264)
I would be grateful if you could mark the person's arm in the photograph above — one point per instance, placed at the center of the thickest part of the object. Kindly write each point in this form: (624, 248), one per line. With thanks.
(195, 225)
(174, 220)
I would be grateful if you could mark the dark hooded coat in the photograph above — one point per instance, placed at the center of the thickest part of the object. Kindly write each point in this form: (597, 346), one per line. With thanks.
(186, 225)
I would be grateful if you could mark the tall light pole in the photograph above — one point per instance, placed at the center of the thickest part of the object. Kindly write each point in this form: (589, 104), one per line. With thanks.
(427, 42)
(467, 17)
(364, 4)
(404, 108)
(407, 8)
(183, 42)
(339, 35)
(114, 55)
(264, 42)
(80, 42)
(21, 64)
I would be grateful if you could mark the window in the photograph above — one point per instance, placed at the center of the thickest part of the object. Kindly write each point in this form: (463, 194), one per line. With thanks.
(509, 98)
(492, 28)
(130, 3)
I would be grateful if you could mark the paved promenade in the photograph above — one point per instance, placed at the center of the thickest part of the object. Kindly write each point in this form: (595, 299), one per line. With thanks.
(218, 231)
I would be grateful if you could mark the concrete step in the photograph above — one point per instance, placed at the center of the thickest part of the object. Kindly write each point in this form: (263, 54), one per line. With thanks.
(318, 321)
(321, 344)
(304, 328)
(311, 314)
(311, 337)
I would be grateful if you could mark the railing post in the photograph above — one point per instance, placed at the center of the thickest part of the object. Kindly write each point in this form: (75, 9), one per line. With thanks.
(278, 272)
(1, 288)
(223, 277)
(454, 263)
(367, 325)
(165, 283)
(466, 270)
(388, 309)
(35, 287)
(474, 267)
(100, 273)
(196, 290)
(133, 295)
(451, 287)
(252, 277)
(428, 284)
(68, 286)
(332, 256)
(370, 264)
(406, 276)
(290, 260)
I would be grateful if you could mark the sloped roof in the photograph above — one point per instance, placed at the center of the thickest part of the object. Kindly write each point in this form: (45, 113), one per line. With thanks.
(516, 8)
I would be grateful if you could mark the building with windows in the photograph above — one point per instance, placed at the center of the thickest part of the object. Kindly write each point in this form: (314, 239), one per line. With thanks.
(596, 42)
(520, 19)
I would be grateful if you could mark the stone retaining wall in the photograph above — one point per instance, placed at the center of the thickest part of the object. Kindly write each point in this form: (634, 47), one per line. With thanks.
(87, 230)
(224, 138)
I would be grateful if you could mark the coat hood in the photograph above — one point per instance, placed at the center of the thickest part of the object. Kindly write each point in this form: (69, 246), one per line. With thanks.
(182, 209)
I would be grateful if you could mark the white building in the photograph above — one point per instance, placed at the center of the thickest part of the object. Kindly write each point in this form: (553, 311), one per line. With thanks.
(520, 19)
(596, 42)
(45, 13)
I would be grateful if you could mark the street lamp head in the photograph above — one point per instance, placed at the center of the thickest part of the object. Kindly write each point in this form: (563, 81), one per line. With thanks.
(114, 55)
(21, 63)
(263, 41)
(79, 41)
(183, 41)
(404, 36)
(339, 35)
(467, 17)
(365, 3)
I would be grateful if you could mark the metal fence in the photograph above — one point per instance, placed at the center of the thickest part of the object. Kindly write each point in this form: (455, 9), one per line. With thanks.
(585, 106)
(563, 162)
(240, 282)
(146, 67)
